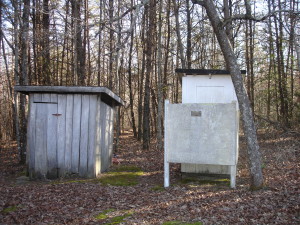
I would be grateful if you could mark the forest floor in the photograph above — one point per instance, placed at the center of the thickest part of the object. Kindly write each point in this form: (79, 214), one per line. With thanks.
(86, 201)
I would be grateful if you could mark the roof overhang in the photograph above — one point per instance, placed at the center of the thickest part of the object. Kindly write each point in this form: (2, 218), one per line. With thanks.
(106, 94)
(204, 72)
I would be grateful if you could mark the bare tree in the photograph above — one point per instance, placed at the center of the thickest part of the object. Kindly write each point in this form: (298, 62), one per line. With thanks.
(131, 96)
(244, 103)
(111, 44)
(249, 33)
(160, 81)
(189, 35)
(45, 43)
(79, 49)
(149, 53)
(23, 79)
(179, 38)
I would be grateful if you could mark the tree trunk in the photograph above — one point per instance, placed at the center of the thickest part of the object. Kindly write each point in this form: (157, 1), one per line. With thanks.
(281, 71)
(141, 74)
(297, 48)
(189, 35)
(87, 45)
(118, 80)
(167, 50)
(131, 98)
(149, 52)
(65, 51)
(160, 82)
(99, 45)
(180, 46)
(249, 55)
(111, 44)
(271, 61)
(244, 103)
(79, 51)
(16, 70)
(24, 79)
(45, 44)
(227, 15)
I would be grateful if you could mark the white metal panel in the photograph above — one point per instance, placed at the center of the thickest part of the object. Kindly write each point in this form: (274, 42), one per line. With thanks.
(206, 89)
(166, 147)
(201, 133)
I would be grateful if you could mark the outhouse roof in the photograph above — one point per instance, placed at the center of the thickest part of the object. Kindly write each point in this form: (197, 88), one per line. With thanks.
(106, 94)
(205, 72)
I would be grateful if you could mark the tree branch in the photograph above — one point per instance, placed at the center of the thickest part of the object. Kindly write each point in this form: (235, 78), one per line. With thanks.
(256, 19)
(7, 41)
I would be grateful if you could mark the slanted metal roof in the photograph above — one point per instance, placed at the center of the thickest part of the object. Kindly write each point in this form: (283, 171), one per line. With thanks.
(106, 94)
(204, 72)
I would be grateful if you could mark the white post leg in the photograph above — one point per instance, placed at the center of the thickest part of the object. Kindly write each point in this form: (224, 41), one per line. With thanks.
(232, 176)
(166, 164)
(167, 175)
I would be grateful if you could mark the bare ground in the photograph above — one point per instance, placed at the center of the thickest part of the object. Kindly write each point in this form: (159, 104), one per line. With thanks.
(37, 202)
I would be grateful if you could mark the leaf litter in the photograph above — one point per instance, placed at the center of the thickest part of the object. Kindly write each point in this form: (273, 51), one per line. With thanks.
(147, 202)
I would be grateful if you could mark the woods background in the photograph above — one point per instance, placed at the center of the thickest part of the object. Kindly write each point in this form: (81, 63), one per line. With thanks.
(133, 48)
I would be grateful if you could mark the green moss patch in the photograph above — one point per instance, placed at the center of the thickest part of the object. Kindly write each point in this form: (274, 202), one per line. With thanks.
(120, 178)
(119, 219)
(10, 209)
(181, 223)
(158, 188)
(111, 219)
(103, 215)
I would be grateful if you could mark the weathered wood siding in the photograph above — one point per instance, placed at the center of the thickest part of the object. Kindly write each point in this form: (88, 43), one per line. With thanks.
(69, 134)
(76, 132)
(107, 117)
(61, 134)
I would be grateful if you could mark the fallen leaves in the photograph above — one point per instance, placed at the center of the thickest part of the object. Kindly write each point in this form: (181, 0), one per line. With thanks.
(79, 202)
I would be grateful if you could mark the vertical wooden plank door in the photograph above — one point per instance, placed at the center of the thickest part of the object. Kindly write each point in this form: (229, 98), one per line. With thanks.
(45, 140)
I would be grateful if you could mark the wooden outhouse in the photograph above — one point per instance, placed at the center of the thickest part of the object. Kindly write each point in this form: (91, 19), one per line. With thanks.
(70, 130)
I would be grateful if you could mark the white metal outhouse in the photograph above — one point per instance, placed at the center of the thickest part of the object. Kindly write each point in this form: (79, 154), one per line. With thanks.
(70, 130)
(202, 132)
